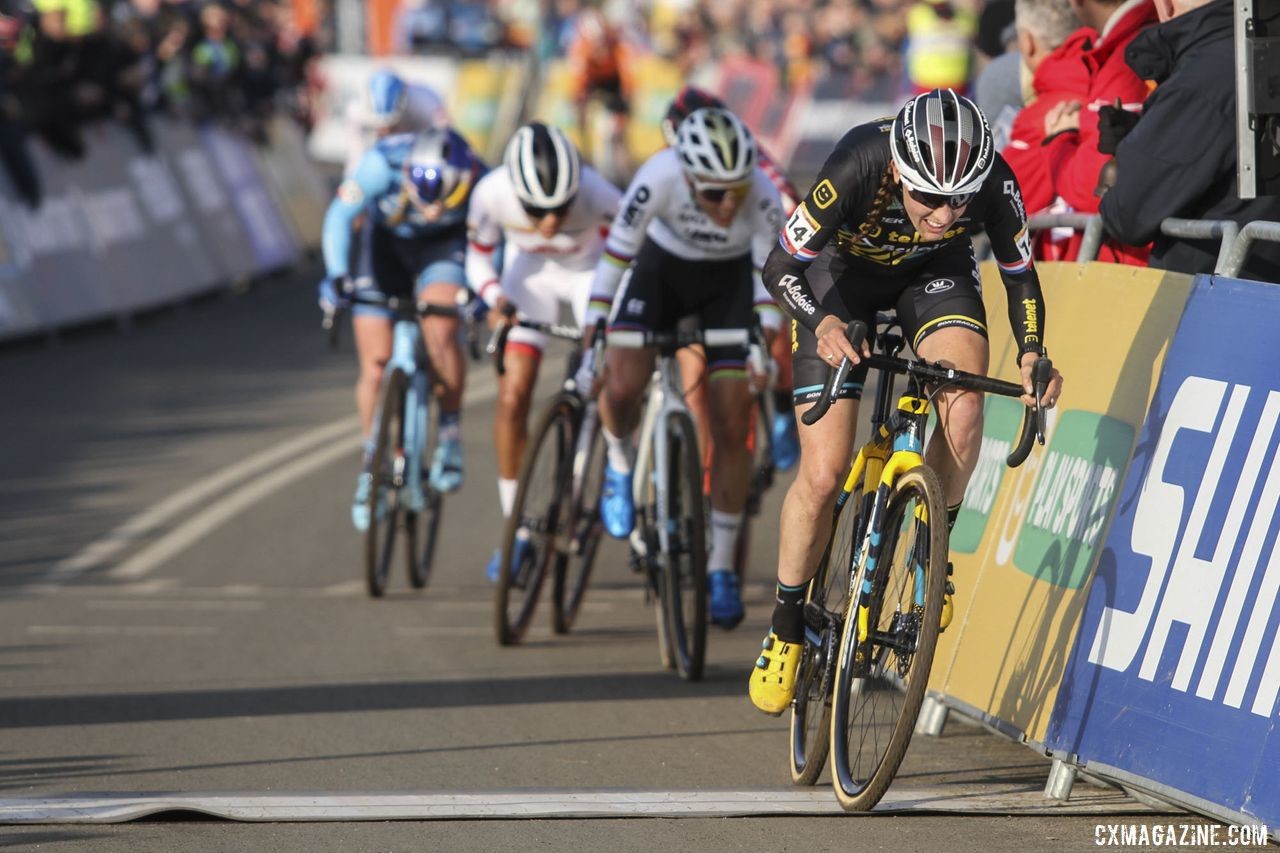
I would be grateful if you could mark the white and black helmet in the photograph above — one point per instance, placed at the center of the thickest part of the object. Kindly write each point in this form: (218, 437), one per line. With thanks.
(715, 146)
(544, 166)
(941, 144)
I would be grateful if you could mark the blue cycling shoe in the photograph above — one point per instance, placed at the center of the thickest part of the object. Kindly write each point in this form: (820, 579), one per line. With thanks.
(360, 503)
(446, 467)
(786, 443)
(726, 599)
(616, 506)
(495, 562)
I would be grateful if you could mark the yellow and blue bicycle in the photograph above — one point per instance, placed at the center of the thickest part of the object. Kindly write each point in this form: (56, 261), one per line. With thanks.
(873, 609)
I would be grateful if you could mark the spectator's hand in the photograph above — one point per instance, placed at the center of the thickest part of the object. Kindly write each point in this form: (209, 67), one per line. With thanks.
(1114, 124)
(1062, 117)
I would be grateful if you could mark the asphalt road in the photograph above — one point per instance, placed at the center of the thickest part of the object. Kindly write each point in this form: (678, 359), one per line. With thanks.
(183, 621)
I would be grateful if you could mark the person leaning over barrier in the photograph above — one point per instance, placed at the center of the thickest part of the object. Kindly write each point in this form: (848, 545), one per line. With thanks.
(1179, 159)
(887, 224)
(413, 189)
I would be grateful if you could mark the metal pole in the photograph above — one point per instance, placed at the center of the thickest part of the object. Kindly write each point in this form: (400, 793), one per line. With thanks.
(1233, 256)
(932, 717)
(1061, 777)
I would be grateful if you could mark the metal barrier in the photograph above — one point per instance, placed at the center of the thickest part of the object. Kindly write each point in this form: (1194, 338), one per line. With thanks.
(1089, 223)
(1205, 229)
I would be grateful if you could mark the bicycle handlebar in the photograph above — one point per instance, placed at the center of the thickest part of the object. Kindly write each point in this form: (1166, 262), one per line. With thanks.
(1033, 423)
(497, 345)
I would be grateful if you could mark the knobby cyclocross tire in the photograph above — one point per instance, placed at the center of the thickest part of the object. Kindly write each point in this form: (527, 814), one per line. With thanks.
(574, 564)
(828, 592)
(536, 519)
(387, 467)
(424, 527)
(880, 684)
(651, 562)
(684, 562)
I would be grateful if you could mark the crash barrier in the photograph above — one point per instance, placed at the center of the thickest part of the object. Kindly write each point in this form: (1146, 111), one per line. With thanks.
(1144, 650)
(121, 231)
(1235, 241)
(483, 97)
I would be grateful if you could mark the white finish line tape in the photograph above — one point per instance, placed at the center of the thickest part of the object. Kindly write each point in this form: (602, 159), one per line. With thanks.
(499, 805)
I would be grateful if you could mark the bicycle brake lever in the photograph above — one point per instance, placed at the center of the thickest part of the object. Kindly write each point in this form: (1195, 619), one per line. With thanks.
(1041, 373)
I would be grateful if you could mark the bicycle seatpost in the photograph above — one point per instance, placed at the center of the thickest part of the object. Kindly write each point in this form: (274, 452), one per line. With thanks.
(856, 332)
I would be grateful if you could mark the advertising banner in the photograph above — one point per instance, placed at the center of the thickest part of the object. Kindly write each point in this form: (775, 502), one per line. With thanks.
(268, 236)
(299, 190)
(1176, 672)
(1027, 538)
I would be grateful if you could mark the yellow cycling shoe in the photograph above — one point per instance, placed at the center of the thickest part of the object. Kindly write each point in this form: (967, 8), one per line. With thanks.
(948, 609)
(773, 681)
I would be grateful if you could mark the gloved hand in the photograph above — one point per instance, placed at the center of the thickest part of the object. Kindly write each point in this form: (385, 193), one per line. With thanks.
(332, 294)
(1114, 124)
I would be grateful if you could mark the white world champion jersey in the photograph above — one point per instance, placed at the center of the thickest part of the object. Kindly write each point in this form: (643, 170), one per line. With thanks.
(660, 204)
(495, 214)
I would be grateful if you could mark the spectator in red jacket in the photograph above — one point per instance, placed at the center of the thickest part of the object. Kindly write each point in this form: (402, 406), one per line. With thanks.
(1071, 129)
(1052, 43)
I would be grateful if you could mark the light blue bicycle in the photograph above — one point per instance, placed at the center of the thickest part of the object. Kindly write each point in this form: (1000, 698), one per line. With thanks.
(401, 497)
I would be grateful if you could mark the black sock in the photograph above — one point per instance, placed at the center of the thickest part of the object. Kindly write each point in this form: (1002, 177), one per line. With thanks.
(953, 512)
(788, 613)
(783, 401)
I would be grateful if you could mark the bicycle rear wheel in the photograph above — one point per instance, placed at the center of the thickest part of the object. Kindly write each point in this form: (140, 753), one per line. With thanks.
(534, 526)
(684, 562)
(424, 527)
(387, 468)
(881, 682)
(573, 566)
(825, 603)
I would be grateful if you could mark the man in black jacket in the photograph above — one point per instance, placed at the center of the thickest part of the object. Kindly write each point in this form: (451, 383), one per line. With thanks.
(1180, 158)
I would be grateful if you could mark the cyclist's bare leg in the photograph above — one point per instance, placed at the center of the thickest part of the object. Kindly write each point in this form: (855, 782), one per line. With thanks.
(953, 449)
(730, 410)
(373, 348)
(441, 337)
(826, 448)
(628, 375)
(510, 426)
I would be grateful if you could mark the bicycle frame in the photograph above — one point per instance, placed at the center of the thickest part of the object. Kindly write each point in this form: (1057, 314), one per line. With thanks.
(406, 355)
(664, 399)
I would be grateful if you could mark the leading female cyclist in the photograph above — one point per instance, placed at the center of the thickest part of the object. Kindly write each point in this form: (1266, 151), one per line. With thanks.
(887, 224)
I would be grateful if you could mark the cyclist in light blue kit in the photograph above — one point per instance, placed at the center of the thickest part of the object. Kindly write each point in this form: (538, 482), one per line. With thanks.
(413, 190)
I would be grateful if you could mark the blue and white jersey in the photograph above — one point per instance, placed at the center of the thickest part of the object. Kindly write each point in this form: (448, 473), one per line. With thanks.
(377, 189)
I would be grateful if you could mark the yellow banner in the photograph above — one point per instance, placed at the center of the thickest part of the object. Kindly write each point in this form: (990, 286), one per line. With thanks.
(477, 98)
(1028, 539)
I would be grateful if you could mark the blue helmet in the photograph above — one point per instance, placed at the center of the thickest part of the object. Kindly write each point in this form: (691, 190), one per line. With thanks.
(438, 170)
(385, 98)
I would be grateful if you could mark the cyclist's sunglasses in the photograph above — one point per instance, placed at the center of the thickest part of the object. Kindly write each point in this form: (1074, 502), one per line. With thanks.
(715, 193)
(536, 212)
(933, 201)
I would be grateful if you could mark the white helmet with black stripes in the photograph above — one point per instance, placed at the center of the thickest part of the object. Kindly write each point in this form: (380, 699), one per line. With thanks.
(941, 143)
(544, 166)
(715, 146)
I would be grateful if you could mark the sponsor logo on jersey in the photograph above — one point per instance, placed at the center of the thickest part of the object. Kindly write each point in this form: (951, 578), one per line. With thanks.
(1015, 198)
(790, 285)
(824, 194)
(632, 210)
(939, 285)
(635, 307)
(349, 192)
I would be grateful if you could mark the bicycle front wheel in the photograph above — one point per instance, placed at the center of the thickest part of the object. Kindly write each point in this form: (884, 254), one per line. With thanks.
(825, 603)
(424, 526)
(530, 538)
(684, 561)
(573, 567)
(387, 468)
(881, 679)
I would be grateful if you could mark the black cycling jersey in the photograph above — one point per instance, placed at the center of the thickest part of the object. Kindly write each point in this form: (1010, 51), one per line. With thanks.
(835, 213)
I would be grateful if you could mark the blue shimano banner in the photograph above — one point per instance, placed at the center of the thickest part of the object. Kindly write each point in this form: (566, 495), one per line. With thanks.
(1175, 672)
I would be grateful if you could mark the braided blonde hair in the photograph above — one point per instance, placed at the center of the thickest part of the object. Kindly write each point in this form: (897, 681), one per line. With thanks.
(884, 193)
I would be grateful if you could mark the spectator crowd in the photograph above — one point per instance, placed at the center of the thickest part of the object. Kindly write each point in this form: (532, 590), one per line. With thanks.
(67, 63)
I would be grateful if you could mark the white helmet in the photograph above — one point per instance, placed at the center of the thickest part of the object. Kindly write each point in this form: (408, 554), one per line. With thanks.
(715, 146)
(941, 144)
(544, 166)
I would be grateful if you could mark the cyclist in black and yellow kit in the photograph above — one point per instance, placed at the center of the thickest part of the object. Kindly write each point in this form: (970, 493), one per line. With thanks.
(887, 225)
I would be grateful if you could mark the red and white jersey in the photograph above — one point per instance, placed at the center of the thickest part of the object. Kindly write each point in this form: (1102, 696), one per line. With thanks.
(660, 205)
(423, 110)
(495, 214)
